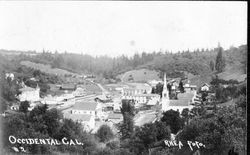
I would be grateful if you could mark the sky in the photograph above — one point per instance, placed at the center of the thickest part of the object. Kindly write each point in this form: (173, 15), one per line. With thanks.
(114, 28)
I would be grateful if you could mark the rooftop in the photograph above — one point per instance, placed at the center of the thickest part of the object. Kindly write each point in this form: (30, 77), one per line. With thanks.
(183, 99)
(185, 96)
(206, 84)
(80, 105)
(115, 116)
(178, 103)
(27, 89)
(68, 86)
(147, 95)
(140, 85)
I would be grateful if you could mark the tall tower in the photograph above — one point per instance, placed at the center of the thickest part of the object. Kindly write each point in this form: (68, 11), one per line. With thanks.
(165, 97)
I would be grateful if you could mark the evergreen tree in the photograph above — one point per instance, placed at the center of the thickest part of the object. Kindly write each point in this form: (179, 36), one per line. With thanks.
(220, 63)
(128, 112)
(211, 64)
(181, 87)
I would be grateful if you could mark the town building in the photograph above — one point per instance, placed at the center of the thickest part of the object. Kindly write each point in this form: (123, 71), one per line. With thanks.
(9, 75)
(211, 98)
(140, 93)
(91, 108)
(29, 94)
(190, 88)
(205, 87)
(60, 99)
(115, 118)
(184, 100)
(68, 87)
(79, 92)
(141, 99)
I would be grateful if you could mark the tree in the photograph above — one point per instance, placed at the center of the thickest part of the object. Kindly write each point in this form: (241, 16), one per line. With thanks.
(163, 131)
(128, 112)
(128, 107)
(242, 102)
(220, 63)
(52, 119)
(169, 89)
(181, 87)
(211, 64)
(127, 126)
(173, 119)
(219, 132)
(158, 89)
(185, 114)
(147, 136)
(37, 73)
(11, 89)
(104, 133)
(24, 106)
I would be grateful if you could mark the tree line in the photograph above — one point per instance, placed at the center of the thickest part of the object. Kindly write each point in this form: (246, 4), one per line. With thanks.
(196, 62)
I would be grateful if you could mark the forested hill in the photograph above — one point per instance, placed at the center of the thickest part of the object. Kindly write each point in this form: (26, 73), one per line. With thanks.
(197, 62)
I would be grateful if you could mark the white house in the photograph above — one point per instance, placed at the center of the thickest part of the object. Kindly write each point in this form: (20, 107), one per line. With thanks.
(190, 88)
(9, 75)
(205, 87)
(91, 108)
(79, 92)
(142, 98)
(29, 94)
(140, 93)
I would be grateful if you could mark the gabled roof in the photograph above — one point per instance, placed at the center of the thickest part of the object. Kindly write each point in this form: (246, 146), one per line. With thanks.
(205, 84)
(80, 105)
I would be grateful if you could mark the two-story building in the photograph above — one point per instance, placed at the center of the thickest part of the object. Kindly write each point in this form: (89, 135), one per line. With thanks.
(29, 94)
(141, 99)
(90, 108)
(190, 88)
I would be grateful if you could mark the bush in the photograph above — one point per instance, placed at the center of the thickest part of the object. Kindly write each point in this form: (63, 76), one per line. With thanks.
(104, 133)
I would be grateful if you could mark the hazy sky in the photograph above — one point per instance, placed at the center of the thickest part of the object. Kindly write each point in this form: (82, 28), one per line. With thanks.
(121, 27)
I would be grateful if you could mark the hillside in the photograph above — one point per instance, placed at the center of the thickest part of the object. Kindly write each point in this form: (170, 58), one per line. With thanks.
(234, 72)
(141, 67)
(196, 65)
(45, 68)
(140, 75)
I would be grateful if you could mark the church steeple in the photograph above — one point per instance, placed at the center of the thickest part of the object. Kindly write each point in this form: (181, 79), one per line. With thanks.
(165, 81)
(165, 97)
(165, 88)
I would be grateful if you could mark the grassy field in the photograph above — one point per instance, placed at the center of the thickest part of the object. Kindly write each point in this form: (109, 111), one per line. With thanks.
(45, 68)
(141, 75)
(234, 72)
